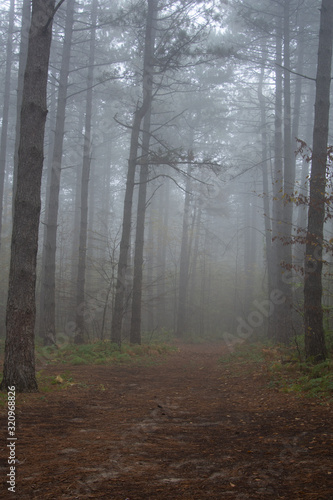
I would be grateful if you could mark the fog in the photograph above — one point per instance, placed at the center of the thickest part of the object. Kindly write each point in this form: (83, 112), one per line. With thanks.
(175, 188)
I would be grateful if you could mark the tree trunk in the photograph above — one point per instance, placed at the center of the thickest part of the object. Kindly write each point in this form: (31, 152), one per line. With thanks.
(161, 257)
(81, 270)
(19, 363)
(313, 313)
(135, 332)
(5, 109)
(47, 168)
(76, 226)
(278, 328)
(47, 319)
(150, 276)
(288, 184)
(184, 258)
(132, 162)
(264, 169)
(20, 80)
(194, 272)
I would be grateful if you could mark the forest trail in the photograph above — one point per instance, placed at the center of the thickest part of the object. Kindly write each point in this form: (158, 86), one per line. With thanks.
(184, 427)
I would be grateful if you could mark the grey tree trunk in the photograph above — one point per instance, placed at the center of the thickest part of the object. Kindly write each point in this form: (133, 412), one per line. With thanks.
(42, 234)
(184, 258)
(139, 114)
(47, 317)
(19, 363)
(5, 109)
(76, 224)
(288, 184)
(20, 80)
(150, 275)
(277, 326)
(264, 169)
(81, 272)
(315, 347)
(196, 311)
(161, 257)
(135, 329)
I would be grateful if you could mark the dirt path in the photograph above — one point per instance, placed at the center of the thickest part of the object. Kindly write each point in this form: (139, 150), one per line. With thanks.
(185, 428)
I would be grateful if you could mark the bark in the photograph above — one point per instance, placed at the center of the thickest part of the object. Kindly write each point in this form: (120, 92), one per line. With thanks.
(288, 186)
(249, 250)
(48, 322)
(315, 347)
(135, 331)
(278, 328)
(194, 272)
(5, 109)
(19, 363)
(264, 169)
(21, 69)
(132, 162)
(184, 258)
(76, 225)
(161, 257)
(81, 272)
(42, 235)
(150, 259)
(302, 215)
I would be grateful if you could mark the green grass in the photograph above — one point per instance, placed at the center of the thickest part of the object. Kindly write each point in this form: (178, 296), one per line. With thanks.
(3, 399)
(99, 353)
(49, 383)
(304, 379)
(285, 368)
(246, 353)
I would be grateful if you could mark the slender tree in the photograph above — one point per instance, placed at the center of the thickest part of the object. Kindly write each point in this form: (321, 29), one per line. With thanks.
(80, 302)
(184, 255)
(26, 7)
(135, 333)
(132, 162)
(6, 101)
(47, 313)
(313, 313)
(277, 324)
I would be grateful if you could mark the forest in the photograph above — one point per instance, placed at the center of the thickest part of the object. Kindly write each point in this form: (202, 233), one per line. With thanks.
(166, 194)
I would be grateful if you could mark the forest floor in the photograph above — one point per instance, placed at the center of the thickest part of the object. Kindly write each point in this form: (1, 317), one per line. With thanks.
(186, 426)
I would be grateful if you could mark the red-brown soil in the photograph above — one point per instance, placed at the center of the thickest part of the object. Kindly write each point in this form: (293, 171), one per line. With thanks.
(186, 427)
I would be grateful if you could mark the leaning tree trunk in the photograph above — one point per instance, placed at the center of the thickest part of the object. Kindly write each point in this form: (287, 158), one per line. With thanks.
(5, 109)
(81, 270)
(19, 363)
(315, 347)
(140, 112)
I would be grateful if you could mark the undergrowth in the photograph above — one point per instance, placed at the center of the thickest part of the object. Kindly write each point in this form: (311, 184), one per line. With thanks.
(286, 368)
(99, 353)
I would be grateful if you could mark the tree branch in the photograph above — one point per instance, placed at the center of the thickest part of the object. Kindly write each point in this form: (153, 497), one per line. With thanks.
(53, 14)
